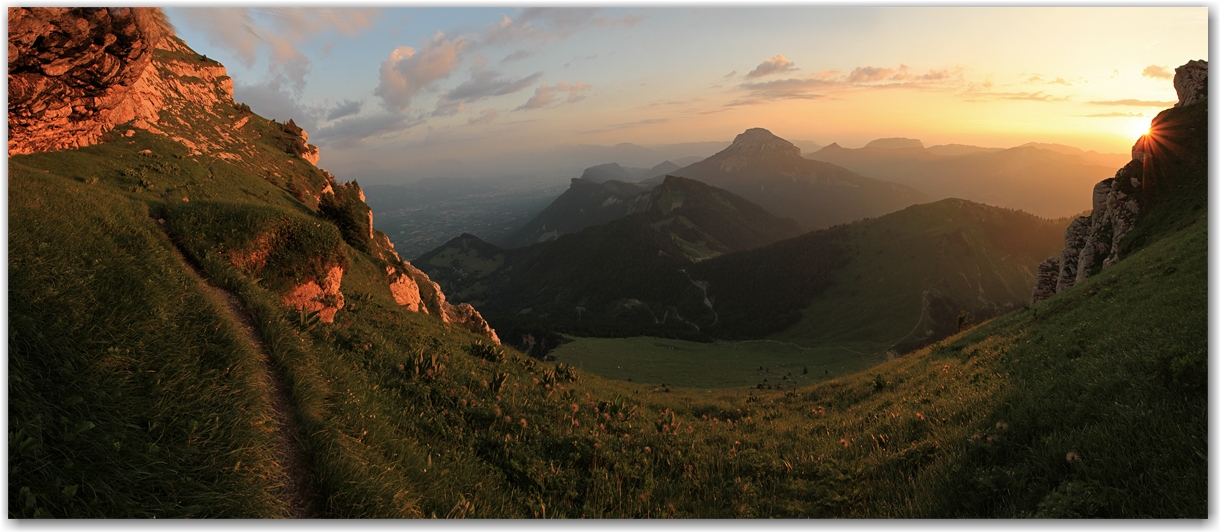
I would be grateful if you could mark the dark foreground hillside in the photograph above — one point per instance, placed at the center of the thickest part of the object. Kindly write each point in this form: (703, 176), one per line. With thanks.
(156, 369)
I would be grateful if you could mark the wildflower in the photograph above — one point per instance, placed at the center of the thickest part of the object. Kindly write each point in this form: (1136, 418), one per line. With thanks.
(575, 408)
(509, 419)
(844, 442)
(977, 437)
(647, 450)
(523, 423)
(1001, 426)
(1073, 458)
(536, 380)
(575, 422)
(919, 415)
(595, 446)
(993, 438)
(401, 367)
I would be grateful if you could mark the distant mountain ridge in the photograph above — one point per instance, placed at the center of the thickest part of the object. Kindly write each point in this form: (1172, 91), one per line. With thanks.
(1045, 179)
(586, 203)
(770, 172)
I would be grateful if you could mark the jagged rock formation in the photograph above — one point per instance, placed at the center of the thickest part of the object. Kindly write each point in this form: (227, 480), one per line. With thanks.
(413, 289)
(71, 72)
(1190, 81)
(1092, 243)
(322, 297)
(75, 74)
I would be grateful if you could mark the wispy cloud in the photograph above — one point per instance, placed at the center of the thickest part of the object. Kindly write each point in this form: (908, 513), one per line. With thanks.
(826, 82)
(545, 94)
(1135, 103)
(1157, 72)
(544, 24)
(776, 65)
(1114, 115)
(486, 116)
(626, 125)
(352, 131)
(518, 55)
(487, 83)
(345, 108)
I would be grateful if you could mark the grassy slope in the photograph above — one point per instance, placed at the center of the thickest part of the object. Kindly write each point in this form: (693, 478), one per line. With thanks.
(130, 394)
(404, 416)
(389, 442)
(901, 264)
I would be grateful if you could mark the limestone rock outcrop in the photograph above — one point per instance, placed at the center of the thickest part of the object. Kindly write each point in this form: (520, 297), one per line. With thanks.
(322, 297)
(413, 289)
(1190, 82)
(71, 72)
(1092, 243)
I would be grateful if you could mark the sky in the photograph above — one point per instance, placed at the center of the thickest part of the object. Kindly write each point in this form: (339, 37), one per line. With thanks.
(398, 94)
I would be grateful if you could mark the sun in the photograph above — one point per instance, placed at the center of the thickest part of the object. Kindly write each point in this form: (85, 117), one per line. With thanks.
(1138, 126)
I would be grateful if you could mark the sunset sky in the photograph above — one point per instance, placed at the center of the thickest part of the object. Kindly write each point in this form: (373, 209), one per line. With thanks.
(400, 93)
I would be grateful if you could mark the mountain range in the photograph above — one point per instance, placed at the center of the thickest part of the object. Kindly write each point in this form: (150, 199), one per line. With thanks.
(1049, 180)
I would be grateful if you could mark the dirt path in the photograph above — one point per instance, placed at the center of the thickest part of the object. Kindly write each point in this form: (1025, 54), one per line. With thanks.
(298, 485)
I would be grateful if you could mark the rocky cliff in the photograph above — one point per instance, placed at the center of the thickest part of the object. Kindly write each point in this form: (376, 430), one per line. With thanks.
(1093, 243)
(71, 72)
(79, 77)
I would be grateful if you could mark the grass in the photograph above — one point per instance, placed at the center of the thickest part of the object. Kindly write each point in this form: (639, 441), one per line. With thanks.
(1109, 371)
(130, 394)
(133, 394)
(720, 364)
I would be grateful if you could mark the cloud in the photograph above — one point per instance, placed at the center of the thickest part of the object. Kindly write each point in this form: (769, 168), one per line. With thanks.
(1114, 115)
(482, 84)
(352, 131)
(544, 95)
(1031, 96)
(518, 55)
(486, 116)
(407, 71)
(1139, 103)
(1157, 72)
(544, 24)
(487, 83)
(869, 73)
(776, 65)
(448, 108)
(903, 73)
(346, 108)
(730, 74)
(247, 31)
(1060, 81)
(626, 125)
(782, 89)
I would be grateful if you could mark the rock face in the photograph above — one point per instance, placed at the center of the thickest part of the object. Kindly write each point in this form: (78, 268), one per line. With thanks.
(1091, 243)
(323, 298)
(413, 289)
(1190, 81)
(71, 72)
